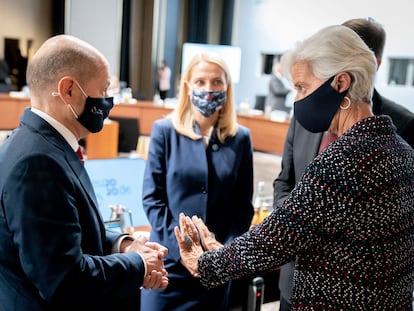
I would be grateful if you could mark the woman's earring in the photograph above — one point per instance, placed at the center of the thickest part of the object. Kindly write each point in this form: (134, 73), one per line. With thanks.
(348, 105)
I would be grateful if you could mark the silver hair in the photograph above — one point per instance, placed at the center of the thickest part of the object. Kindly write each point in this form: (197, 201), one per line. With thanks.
(336, 49)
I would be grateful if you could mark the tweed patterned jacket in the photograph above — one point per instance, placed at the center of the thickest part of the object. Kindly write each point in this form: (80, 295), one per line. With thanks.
(349, 223)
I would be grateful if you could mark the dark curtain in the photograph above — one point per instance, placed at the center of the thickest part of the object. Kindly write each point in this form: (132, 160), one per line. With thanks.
(126, 28)
(58, 17)
(198, 21)
(227, 22)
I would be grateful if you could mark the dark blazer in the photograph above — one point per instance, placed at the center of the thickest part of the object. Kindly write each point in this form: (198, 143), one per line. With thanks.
(52, 239)
(216, 184)
(402, 118)
(302, 146)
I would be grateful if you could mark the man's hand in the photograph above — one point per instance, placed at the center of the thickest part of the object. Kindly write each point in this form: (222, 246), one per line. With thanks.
(189, 243)
(152, 253)
(155, 280)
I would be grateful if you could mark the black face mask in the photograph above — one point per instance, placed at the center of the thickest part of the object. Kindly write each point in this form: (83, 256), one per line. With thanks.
(316, 111)
(95, 112)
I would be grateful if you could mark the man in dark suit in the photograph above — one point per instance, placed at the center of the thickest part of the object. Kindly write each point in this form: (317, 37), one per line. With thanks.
(302, 146)
(55, 253)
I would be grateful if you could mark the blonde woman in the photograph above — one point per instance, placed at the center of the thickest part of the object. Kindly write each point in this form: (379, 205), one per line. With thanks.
(200, 162)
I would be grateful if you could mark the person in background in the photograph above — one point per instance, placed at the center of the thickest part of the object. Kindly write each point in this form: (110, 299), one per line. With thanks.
(302, 146)
(164, 77)
(55, 253)
(349, 221)
(200, 161)
(278, 90)
(21, 70)
(5, 81)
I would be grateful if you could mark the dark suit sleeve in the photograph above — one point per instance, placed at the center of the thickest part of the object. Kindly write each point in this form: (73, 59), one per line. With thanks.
(408, 133)
(244, 187)
(154, 186)
(154, 193)
(405, 127)
(284, 183)
(402, 118)
(56, 233)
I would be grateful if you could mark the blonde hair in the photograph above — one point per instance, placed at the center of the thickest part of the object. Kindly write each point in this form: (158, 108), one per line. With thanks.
(183, 118)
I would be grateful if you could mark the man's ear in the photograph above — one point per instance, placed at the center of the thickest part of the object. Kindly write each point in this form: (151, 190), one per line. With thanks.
(65, 87)
(343, 81)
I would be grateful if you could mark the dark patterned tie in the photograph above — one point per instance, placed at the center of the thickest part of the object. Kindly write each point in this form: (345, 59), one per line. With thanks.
(80, 155)
(327, 139)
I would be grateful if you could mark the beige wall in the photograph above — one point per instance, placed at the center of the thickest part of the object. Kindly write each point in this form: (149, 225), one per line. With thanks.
(25, 19)
(99, 23)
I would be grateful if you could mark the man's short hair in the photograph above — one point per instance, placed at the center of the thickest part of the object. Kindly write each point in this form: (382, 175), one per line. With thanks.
(370, 31)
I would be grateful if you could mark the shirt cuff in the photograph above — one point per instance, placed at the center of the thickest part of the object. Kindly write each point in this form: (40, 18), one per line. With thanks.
(116, 248)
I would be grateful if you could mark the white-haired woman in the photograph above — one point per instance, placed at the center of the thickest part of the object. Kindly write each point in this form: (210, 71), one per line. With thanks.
(349, 222)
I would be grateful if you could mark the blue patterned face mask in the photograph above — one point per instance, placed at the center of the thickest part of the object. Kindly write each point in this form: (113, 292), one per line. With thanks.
(207, 102)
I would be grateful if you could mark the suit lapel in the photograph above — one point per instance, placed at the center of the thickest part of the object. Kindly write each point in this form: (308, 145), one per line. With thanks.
(46, 130)
(68, 155)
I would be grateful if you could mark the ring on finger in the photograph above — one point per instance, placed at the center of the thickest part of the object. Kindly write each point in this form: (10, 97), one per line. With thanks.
(188, 241)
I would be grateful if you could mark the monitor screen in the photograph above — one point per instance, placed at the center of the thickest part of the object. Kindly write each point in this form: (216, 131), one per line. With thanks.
(230, 54)
(119, 182)
(114, 225)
